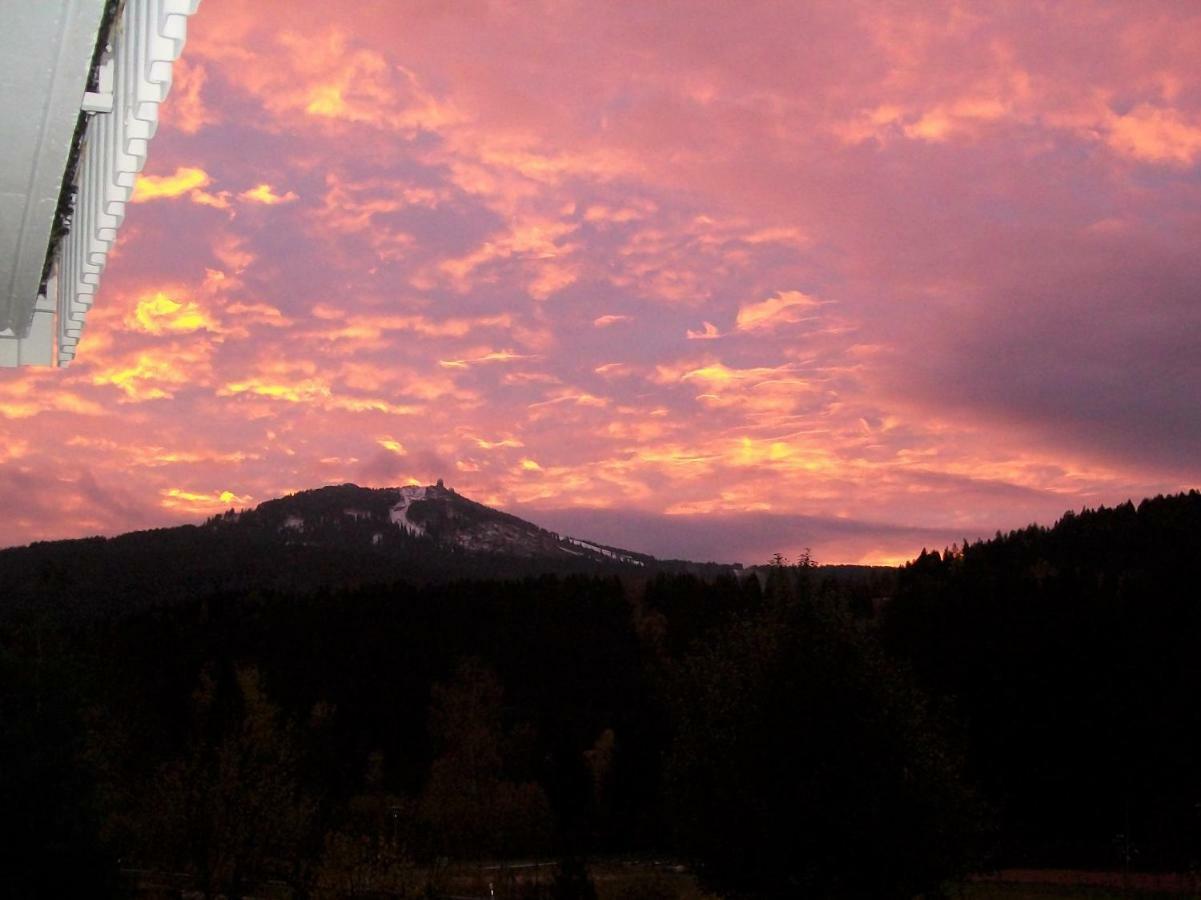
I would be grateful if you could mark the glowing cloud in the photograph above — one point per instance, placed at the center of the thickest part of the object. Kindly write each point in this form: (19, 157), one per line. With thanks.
(263, 193)
(155, 374)
(614, 370)
(707, 333)
(160, 314)
(494, 445)
(301, 391)
(23, 407)
(1154, 134)
(786, 307)
(186, 108)
(184, 181)
(494, 356)
(200, 502)
(606, 321)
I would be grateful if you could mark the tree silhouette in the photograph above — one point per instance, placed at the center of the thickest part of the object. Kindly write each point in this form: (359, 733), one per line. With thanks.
(803, 764)
(471, 808)
(231, 808)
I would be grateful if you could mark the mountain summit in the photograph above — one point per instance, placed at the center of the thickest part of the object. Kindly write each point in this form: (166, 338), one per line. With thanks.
(327, 538)
(440, 516)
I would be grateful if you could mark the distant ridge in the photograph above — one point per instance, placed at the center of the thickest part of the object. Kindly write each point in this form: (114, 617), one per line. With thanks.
(450, 522)
(329, 537)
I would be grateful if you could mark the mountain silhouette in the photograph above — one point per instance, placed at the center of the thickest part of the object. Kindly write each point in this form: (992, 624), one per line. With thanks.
(326, 538)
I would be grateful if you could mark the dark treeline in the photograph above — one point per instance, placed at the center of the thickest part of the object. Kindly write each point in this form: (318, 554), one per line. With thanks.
(1030, 700)
(339, 740)
(110, 576)
(1073, 657)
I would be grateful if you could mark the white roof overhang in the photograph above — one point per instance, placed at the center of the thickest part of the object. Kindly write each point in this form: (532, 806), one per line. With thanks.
(52, 72)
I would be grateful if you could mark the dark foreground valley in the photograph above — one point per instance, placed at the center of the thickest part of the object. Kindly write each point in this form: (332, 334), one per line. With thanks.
(1029, 702)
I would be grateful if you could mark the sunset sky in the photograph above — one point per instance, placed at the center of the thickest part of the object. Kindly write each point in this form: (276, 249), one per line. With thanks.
(709, 280)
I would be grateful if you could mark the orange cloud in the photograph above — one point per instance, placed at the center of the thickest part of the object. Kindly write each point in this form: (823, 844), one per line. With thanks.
(682, 261)
(355, 207)
(185, 108)
(154, 456)
(373, 330)
(159, 314)
(185, 181)
(1155, 134)
(330, 78)
(493, 445)
(708, 333)
(24, 399)
(230, 250)
(350, 206)
(299, 391)
(493, 356)
(613, 370)
(182, 181)
(263, 193)
(255, 314)
(606, 321)
(199, 502)
(535, 243)
(298, 383)
(155, 374)
(618, 215)
(759, 391)
(944, 121)
(14, 448)
(786, 307)
(571, 397)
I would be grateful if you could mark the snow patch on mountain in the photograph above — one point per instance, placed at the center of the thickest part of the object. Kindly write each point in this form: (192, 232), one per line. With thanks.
(604, 551)
(399, 514)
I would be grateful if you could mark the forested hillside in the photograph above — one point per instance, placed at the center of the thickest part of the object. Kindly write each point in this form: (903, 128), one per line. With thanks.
(333, 537)
(357, 734)
(1030, 700)
(1072, 657)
